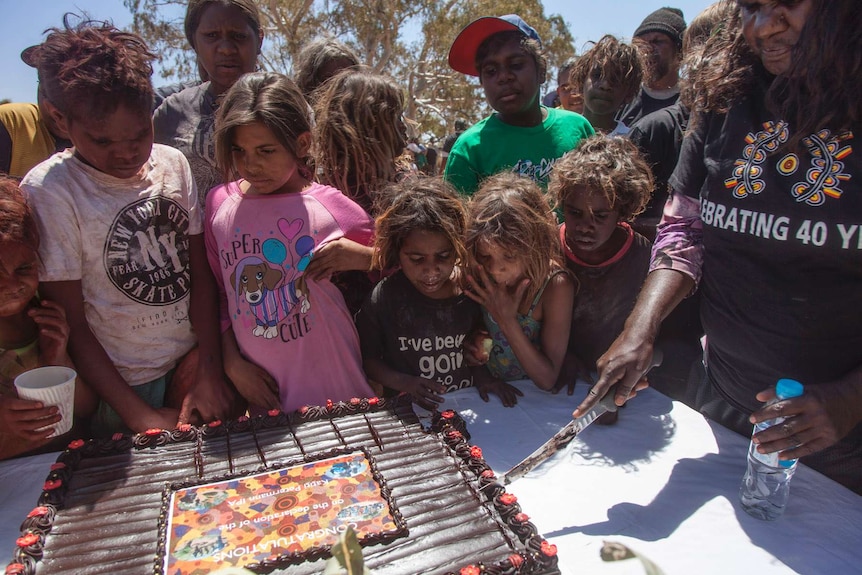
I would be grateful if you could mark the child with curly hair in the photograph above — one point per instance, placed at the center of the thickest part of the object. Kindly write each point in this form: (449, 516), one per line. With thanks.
(359, 139)
(600, 186)
(518, 277)
(609, 75)
(122, 240)
(413, 326)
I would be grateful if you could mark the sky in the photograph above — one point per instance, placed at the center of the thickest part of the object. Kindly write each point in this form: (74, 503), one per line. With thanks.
(23, 22)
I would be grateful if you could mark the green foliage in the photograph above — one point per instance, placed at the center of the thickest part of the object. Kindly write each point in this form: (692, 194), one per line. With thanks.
(346, 556)
(407, 39)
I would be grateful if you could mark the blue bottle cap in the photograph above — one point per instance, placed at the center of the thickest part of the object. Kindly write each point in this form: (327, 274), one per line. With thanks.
(787, 388)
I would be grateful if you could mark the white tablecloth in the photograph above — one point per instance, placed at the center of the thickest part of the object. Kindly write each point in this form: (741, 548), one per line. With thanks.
(663, 481)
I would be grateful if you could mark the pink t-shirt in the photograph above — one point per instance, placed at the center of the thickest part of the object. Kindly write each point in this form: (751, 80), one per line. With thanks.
(297, 329)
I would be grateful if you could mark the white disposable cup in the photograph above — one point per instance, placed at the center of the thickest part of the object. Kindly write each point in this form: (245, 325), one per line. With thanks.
(52, 385)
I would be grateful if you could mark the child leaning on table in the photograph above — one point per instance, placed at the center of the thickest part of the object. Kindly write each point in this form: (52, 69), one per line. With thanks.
(122, 242)
(413, 325)
(600, 186)
(33, 332)
(289, 339)
(517, 275)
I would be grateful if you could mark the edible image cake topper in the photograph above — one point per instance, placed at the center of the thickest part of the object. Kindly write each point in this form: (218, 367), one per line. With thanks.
(275, 514)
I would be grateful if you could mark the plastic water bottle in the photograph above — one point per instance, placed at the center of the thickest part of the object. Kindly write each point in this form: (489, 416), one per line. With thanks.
(766, 484)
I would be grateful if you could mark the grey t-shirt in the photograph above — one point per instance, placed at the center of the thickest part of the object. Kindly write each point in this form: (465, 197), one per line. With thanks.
(186, 121)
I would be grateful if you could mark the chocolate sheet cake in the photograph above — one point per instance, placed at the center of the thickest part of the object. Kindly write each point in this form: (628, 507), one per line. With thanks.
(106, 504)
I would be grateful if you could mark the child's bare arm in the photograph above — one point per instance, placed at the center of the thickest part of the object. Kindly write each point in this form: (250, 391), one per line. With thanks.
(426, 393)
(94, 365)
(541, 364)
(210, 397)
(337, 256)
(253, 382)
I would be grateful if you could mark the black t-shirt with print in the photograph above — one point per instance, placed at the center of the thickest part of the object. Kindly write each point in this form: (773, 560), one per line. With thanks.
(418, 335)
(782, 232)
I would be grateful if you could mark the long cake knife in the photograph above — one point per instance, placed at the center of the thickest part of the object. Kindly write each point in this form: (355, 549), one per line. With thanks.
(569, 431)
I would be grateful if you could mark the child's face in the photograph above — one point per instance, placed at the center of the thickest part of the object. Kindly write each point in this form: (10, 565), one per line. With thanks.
(511, 81)
(427, 259)
(264, 162)
(118, 144)
(19, 277)
(590, 224)
(571, 98)
(226, 45)
(504, 267)
(601, 97)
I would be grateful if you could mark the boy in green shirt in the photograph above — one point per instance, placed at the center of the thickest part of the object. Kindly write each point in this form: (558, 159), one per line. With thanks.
(523, 136)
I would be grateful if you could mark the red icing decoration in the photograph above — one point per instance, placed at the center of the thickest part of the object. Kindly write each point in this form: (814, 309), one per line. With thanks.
(38, 512)
(448, 414)
(522, 517)
(355, 401)
(373, 400)
(470, 570)
(58, 466)
(153, 431)
(215, 423)
(476, 452)
(52, 484)
(329, 404)
(14, 569)
(77, 444)
(516, 560)
(27, 540)
(549, 549)
(508, 499)
(488, 474)
(273, 412)
(184, 427)
(454, 434)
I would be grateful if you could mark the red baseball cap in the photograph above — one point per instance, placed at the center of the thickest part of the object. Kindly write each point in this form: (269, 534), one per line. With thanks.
(462, 54)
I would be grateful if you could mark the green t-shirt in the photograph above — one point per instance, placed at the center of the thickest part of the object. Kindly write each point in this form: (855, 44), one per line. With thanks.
(492, 146)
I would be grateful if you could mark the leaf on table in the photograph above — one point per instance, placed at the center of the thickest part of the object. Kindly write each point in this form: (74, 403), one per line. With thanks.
(613, 551)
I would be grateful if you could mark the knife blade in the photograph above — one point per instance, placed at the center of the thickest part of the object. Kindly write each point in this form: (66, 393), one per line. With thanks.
(571, 430)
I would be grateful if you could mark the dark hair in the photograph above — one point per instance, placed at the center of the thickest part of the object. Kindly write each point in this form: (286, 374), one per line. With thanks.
(91, 69)
(16, 219)
(196, 8)
(704, 26)
(827, 55)
(511, 211)
(309, 65)
(610, 167)
(357, 132)
(528, 45)
(417, 203)
(565, 71)
(272, 99)
(616, 62)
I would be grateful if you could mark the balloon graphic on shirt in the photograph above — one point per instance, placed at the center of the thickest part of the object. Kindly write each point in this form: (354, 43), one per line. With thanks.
(304, 245)
(274, 251)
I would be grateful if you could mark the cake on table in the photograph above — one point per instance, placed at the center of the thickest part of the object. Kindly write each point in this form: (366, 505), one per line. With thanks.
(271, 494)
